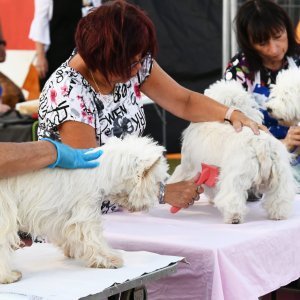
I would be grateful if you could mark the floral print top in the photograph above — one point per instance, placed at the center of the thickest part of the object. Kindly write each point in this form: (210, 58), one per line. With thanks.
(68, 96)
(238, 69)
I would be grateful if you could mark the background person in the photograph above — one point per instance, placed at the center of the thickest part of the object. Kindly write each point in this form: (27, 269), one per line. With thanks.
(267, 40)
(52, 30)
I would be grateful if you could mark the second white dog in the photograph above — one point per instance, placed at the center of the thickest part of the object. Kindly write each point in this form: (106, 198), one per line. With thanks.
(284, 103)
(64, 205)
(245, 160)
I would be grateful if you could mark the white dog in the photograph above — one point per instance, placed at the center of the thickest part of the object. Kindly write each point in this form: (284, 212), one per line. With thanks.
(284, 105)
(64, 205)
(245, 160)
(284, 99)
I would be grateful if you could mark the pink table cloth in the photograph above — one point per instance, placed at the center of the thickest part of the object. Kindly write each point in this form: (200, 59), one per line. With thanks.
(230, 262)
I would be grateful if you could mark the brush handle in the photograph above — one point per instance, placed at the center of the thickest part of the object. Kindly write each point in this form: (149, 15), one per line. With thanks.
(174, 209)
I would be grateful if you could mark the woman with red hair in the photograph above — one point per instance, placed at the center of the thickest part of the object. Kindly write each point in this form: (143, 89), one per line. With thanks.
(96, 93)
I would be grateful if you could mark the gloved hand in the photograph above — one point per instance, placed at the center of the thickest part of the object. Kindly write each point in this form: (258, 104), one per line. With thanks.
(70, 158)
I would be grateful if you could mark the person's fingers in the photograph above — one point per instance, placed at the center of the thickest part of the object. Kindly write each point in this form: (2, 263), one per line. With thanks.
(237, 125)
(199, 189)
(263, 128)
(254, 127)
(89, 164)
(92, 155)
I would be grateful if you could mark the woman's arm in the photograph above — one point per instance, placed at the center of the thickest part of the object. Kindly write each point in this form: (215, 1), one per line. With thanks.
(189, 105)
(41, 62)
(77, 134)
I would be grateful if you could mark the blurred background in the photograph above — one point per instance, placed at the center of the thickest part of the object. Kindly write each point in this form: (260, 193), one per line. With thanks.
(196, 39)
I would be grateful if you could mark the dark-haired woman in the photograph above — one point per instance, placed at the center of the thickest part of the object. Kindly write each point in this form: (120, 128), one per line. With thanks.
(96, 93)
(267, 40)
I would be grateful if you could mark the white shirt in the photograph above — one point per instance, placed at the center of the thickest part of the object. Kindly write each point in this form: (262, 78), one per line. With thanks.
(40, 26)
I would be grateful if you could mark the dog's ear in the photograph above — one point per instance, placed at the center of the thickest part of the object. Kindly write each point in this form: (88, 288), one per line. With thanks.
(150, 164)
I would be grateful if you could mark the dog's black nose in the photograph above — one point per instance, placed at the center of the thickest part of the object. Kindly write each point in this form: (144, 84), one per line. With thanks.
(269, 110)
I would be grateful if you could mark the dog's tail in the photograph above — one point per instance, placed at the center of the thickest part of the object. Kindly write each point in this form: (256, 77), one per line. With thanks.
(274, 161)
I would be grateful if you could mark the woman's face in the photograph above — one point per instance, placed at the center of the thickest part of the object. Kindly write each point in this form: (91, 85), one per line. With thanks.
(273, 51)
(136, 65)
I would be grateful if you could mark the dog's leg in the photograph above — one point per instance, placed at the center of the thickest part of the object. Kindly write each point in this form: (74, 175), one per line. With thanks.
(85, 241)
(235, 179)
(9, 238)
(279, 198)
(6, 274)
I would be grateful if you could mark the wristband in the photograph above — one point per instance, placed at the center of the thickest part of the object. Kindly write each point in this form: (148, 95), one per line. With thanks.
(3, 42)
(161, 194)
(228, 114)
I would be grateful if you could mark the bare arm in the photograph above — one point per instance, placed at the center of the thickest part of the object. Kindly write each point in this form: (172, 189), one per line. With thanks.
(77, 134)
(18, 158)
(41, 63)
(189, 105)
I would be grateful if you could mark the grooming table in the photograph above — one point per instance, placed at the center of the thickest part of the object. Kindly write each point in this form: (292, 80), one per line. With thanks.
(226, 262)
(48, 275)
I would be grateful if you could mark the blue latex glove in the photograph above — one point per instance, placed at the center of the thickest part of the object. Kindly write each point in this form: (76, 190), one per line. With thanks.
(70, 158)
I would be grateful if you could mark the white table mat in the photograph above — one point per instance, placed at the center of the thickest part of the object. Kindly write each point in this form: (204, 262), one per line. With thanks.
(48, 274)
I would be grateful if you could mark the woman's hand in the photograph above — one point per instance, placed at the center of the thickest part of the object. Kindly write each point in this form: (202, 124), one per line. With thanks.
(238, 120)
(41, 65)
(292, 138)
(182, 194)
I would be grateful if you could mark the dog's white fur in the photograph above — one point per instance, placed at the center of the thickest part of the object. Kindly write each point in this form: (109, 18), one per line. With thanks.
(284, 99)
(64, 205)
(245, 160)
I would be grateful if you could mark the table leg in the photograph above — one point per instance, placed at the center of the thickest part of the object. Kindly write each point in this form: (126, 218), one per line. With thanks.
(138, 293)
(274, 295)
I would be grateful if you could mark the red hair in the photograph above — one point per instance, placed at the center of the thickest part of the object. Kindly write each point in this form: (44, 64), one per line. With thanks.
(110, 36)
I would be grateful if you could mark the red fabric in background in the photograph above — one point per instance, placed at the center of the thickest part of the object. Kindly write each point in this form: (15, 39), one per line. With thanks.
(16, 17)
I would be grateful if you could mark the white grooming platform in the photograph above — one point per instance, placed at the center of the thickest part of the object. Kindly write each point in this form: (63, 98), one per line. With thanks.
(49, 275)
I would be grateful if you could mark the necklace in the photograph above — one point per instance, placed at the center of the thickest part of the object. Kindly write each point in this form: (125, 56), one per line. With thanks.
(98, 89)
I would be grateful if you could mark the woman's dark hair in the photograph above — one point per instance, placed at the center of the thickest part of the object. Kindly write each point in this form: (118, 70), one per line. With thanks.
(110, 36)
(256, 22)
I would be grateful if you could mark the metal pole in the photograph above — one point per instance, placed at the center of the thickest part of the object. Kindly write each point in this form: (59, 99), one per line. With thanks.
(225, 34)
(233, 11)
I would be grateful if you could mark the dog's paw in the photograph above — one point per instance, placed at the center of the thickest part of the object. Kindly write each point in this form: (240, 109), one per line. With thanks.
(233, 219)
(277, 217)
(110, 261)
(138, 208)
(13, 276)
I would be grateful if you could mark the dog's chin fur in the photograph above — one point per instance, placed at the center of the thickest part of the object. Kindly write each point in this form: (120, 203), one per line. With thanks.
(284, 97)
(64, 205)
(245, 160)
